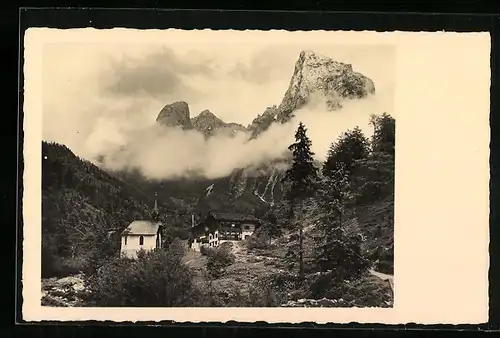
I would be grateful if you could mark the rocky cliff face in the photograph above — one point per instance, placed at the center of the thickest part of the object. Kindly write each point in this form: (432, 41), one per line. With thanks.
(209, 124)
(319, 75)
(262, 122)
(175, 115)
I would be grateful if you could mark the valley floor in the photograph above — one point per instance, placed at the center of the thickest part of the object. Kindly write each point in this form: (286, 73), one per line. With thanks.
(252, 266)
(239, 281)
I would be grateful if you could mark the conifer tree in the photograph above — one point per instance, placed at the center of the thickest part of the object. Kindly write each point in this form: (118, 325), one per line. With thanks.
(351, 146)
(303, 178)
(337, 248)
(374, 177)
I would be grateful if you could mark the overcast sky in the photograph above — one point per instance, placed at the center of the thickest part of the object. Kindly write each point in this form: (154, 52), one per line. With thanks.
(96, 95)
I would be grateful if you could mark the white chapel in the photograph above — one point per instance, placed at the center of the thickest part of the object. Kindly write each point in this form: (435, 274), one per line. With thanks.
(142, 235)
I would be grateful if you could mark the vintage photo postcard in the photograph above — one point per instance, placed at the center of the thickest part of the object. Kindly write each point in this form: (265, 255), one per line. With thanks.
(275, 176)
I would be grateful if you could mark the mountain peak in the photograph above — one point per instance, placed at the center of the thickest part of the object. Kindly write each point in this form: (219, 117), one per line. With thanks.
(175, 114)
(207, 113)
(313, 59)
(318, 74)
(208, 123)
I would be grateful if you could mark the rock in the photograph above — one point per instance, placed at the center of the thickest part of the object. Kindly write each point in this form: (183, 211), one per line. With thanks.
(262, 122)
(79, 287)
(175, 115)
(209, 124)
(69, 281)
(330, 80)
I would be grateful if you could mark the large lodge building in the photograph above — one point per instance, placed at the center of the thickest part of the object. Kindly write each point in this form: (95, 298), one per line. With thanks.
(218, 228)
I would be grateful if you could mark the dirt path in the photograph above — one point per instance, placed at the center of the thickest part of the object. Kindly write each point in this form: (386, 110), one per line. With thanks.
(382, 276)
(385, 277)
(190, 257)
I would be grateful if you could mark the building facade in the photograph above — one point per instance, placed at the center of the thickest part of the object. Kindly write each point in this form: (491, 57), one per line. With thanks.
(218, 228)
(140, 235)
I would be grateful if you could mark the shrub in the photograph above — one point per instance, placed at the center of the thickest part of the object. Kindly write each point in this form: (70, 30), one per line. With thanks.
(367, 291)
(274, 290)
(218, 260)
(55, 266)
(156, 278)
(258, 242)
(205, 250)
(223, 295)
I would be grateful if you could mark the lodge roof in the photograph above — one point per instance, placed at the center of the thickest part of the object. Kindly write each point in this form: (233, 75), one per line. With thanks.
(221, 216)
(142, 228)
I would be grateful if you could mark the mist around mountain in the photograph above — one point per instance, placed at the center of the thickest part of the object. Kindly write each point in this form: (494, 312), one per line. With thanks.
(317, 80)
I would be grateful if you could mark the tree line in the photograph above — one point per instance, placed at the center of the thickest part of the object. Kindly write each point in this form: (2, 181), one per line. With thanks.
(357, 173)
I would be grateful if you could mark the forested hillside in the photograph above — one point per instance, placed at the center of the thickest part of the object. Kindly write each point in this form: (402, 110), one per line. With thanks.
(368, 166)
(84, 209)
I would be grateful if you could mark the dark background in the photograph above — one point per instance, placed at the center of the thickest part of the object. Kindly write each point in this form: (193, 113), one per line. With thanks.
(410, 16)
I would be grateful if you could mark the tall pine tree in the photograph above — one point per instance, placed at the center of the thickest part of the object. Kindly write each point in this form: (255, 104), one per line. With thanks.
(337, 248)
(350, 147)
(303, 179)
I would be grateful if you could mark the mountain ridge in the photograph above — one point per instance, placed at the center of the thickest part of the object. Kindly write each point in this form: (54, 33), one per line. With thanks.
(314, 74)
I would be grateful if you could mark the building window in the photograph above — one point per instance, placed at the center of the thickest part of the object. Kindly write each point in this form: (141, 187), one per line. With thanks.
(126, 240)
(216, 235)
(141, 240)
(247, 227)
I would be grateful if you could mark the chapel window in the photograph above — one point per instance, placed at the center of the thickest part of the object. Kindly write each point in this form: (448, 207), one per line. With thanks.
(141, 240)
(126, 240)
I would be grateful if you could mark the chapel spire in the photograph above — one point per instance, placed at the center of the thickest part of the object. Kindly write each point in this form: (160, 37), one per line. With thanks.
(155, 213)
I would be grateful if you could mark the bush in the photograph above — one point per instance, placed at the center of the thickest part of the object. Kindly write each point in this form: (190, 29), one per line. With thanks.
(258, 242)
(55, 266)
(223, 296)
(274, 290)
(367, 291)
(218, 260)
(155, 279)
(205, 250)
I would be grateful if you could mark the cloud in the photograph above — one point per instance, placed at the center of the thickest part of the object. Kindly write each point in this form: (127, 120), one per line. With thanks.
(263, 67)
(102, 101)
(159, 74)
(161, 153)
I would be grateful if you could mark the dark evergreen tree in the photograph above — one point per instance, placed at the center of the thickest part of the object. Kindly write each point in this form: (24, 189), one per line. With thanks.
(338, 250)
(384, 133)
(351, 146)
(374, 175)
(270, 227)
(303, 179)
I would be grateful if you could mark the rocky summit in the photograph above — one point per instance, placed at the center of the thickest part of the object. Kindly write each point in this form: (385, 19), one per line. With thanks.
(317, 74)
(263, 121)
(209, 124)
(175, 115)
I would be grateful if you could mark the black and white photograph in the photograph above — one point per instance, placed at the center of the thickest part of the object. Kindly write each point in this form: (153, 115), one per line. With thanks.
(256, 175)
(265, 170)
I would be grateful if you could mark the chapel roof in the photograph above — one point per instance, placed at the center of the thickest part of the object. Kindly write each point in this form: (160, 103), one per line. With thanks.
(142, 228)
